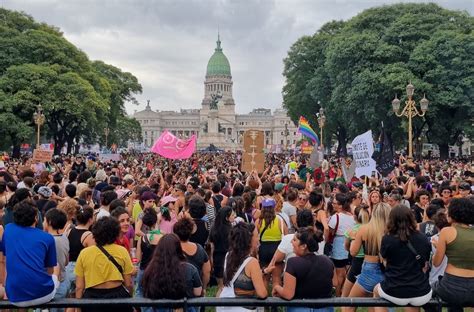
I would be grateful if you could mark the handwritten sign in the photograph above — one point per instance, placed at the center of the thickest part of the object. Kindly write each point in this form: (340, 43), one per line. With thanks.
(362, 150)
(40, 155)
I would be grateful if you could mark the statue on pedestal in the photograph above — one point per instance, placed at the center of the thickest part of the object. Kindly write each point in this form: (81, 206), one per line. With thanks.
(215, 98)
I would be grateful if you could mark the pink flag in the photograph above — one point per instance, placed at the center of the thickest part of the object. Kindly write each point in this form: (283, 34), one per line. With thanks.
(171, 147)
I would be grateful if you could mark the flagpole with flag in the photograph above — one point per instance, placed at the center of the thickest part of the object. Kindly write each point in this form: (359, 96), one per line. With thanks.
(171, 147)
(305, 129)
(384, 158)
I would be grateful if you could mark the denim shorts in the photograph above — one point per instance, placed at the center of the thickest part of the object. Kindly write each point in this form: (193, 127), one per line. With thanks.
(370, 276)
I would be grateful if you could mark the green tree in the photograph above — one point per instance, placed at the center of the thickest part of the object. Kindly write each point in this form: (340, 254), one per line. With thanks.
(372, 56)
(39, 66)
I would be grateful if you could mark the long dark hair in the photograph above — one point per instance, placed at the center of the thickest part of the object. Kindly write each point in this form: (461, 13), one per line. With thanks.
(249, 199)
(222, 226)
(401, 222)
(240, 241)
(268, 214)
(163, 277)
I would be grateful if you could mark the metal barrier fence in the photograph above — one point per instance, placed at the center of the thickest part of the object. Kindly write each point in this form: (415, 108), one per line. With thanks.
(214, 302)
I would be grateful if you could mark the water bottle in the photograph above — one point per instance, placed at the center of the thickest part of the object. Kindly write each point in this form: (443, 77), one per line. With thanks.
(133, 255)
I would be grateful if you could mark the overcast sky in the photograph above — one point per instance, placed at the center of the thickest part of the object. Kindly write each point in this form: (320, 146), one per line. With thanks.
(166, 44)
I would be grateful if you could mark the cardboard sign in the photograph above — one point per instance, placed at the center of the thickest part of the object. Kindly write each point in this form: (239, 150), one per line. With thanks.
(253, 156)
(40, 155)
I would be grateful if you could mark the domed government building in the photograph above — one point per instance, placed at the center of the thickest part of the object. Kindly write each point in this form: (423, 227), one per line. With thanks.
(216, 121)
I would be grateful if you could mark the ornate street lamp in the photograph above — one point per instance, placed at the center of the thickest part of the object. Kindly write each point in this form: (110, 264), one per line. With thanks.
(410, 111)
(39, 119)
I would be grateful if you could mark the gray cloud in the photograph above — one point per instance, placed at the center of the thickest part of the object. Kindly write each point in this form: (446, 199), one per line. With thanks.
(167, 43)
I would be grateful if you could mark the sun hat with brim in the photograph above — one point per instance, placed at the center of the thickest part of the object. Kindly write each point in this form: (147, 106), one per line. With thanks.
(45, 191)
(268, 202)
(168, 199)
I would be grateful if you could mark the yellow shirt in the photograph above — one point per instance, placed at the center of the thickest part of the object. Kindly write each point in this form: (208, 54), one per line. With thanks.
(273, 233)
(96, 268)
(136, 211)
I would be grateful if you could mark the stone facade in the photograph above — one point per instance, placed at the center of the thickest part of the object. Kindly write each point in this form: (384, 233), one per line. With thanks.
(221, 127)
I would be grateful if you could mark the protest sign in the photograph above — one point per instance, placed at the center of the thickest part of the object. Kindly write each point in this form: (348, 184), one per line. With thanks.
(316, 158)
(109, 157)
(253, 156)
(362, 150)
(40, 155)
(306, 148)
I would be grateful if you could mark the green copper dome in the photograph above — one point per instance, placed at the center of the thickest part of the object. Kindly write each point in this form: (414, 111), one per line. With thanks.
(218, 64)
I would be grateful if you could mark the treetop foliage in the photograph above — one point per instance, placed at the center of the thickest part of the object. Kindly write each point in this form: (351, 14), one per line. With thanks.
(79, 97)
(354, 68)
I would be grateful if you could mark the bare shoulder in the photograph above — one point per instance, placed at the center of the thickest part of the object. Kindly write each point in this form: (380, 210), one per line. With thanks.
(448, 232)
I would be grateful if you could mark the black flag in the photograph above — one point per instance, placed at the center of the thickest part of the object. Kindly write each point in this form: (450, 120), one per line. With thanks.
(384, 158)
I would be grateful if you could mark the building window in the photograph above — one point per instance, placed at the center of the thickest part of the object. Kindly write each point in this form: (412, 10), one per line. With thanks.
(145, 133)
(281, 142)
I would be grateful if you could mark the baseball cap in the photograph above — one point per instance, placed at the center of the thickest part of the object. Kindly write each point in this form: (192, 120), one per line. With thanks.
(465, 186)
(148, 195)
(268, 202)
(45, 191)
(279, 186)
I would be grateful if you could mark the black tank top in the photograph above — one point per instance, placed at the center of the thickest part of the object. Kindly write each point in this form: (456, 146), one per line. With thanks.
(318, 224)
(147, 251)
(75, 243)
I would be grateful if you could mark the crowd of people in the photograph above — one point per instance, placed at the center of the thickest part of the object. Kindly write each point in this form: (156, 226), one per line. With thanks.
(157, 228)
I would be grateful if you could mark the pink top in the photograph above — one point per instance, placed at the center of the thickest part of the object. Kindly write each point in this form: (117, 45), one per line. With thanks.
(166, 226)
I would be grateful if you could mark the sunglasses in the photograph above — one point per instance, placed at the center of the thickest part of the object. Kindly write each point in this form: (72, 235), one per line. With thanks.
(302, 198)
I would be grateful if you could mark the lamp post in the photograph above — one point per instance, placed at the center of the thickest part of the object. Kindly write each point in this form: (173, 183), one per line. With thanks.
(106, 132)
(39, 119)
(410, 111)
(287, 132)
(321, 121)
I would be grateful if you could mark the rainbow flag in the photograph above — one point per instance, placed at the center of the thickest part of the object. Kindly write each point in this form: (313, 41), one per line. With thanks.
(305, 129)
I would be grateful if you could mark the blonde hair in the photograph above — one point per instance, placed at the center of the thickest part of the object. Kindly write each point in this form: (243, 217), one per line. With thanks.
(376, 228)
(70, 207)
(362, 214)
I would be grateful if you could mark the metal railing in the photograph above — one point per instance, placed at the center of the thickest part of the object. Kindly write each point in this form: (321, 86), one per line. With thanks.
(221, 302)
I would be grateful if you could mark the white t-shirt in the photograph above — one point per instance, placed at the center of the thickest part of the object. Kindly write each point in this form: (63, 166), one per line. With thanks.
(435, 272)
(290, 211)
(102, 213)
(286, 247)
(346, 222)
(285, 218)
